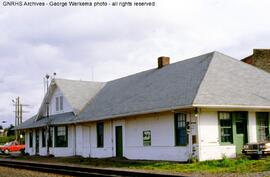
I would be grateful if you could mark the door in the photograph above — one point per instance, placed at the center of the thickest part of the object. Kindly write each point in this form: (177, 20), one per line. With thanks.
(37, 142)
(119, 141)
(240, 126)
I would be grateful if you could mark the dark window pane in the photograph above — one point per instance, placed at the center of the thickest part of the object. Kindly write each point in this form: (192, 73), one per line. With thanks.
(61, 102)
(61, 138)
(30, 139)
(180, 129)
(43, 137)
(263, 125)
(240, 128)
(50, 136)
(100, 134)
(225, 121)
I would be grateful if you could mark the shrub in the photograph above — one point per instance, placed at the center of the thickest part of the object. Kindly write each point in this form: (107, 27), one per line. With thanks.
(5, 139)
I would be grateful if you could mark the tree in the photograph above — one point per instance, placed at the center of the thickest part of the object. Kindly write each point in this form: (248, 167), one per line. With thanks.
(10, 130)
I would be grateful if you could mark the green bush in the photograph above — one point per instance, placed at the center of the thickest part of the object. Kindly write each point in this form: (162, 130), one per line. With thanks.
(5, 139)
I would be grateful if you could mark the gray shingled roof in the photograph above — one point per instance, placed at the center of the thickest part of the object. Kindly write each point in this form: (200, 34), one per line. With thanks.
(172, 86)
(206, 80)
(78, 93)
(57, 119)
(230, 82)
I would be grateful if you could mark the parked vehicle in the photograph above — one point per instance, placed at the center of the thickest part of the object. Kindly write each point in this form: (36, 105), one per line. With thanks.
(257, 149)
(12, 147)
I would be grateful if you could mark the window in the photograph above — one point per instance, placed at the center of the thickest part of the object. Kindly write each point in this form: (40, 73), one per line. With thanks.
(59, 101)
(225, 121)
(43, 137)
(61, 136)
(100, 134)
(30, 139)
(262, 125)
(147, 138)
(50, 137)
(181, 137)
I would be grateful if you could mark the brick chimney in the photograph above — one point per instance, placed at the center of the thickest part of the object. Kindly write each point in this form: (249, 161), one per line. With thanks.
(163, 61)
(260, 58)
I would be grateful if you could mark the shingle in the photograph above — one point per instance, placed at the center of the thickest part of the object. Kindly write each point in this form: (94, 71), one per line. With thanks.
(210, 79)
(78, 93)
(172, 86)
(57, 119)
(231, 82)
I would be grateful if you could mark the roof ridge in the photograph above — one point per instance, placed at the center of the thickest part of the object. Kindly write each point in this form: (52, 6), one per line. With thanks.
(177, 62)
(73, 80)
(213, 54)
(90, 100)
(239, 61)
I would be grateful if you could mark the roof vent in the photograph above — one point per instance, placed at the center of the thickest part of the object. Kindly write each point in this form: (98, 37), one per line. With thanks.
(163, 61)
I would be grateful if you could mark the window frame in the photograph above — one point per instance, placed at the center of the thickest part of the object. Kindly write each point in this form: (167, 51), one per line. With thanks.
(57, 104)
(31, 139)
(100, 134)
(43, 136)
(223, 127)
(56, 136)
(258, 126)
(61, 103)
(51, 136)
(178, 129)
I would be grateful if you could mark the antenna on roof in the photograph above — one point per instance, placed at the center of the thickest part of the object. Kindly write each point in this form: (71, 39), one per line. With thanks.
(53, 76)
(46, 81)
(44, 85)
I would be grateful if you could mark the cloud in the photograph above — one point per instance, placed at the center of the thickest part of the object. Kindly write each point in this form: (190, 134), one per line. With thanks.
(108, 43)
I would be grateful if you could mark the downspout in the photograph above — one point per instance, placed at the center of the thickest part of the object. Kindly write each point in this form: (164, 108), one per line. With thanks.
(90, 139)
(75, 140)
(112, 138)
(199, 134)
(190, 134)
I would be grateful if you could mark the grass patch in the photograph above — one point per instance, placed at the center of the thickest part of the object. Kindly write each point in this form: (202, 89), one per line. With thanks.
(238, 165)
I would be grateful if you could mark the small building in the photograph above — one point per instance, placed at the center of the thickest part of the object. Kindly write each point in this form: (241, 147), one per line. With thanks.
(260, 58)
(205, 107)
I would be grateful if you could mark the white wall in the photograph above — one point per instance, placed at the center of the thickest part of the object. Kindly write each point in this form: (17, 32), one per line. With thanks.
(162, 146)
(56, 151)
(28, 149)
(65, 151)
(107, 150)
(252, 133)
(209, 141)
(83, 140)
(162, 139)
(52, 108)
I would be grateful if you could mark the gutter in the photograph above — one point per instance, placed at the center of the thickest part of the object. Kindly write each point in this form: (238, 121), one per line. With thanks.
(76, 121)
(231, 106)
(135, 113)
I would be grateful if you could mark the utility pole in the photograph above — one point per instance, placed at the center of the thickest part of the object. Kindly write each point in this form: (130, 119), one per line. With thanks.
(48, 116)
(18, 116)
(17, 109)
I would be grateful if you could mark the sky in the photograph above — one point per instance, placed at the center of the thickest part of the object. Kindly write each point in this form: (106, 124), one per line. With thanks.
(105, 43)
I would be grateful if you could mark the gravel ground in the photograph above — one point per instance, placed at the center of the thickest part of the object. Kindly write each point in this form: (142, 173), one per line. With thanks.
(260, 174)
(12, 172)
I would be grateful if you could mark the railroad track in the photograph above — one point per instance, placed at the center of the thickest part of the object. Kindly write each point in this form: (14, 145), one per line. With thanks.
(75, 170)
